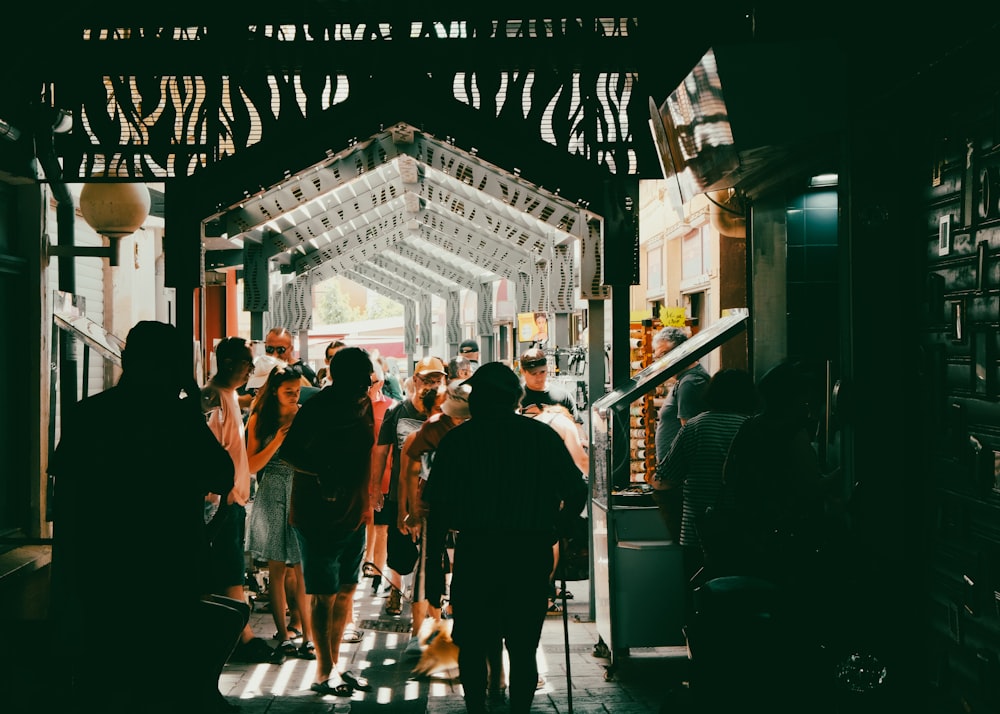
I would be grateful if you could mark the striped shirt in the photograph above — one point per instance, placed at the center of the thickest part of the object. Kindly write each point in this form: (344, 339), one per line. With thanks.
(695, 462)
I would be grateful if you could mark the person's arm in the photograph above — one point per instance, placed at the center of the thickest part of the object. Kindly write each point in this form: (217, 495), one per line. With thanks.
(571, 437)
(407, 514)
(380, 457)
(258, 456)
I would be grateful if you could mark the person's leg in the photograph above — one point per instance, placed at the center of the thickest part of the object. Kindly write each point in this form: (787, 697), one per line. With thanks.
(380, 548)
(220, 620)
(302, 604)
(279, 604)
(327, 648)
(497, 674)
(472, 670)
(522, 625)
(341, 608)
(294, 614)
(235, 592)
(418, 611)
(475, 630)
(370, 543)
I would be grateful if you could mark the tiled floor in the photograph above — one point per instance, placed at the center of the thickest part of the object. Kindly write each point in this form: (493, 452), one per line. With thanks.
(639, 685)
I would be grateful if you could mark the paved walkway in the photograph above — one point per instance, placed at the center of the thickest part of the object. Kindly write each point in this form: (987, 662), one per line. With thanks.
(638, 686)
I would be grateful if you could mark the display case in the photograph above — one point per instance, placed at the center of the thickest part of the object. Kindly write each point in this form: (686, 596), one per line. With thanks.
(638, 570)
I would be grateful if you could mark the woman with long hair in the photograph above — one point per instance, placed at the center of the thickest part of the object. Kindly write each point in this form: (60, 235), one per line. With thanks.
(269, 536)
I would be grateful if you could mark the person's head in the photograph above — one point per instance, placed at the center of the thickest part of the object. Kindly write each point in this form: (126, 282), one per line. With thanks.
(430, 403)
(152, 347)
(351, 372)
(459, 368)
(495, 389)
(331, 350)
(470, 350)
(278, 343)
(667, 339)
(378, 381)
(281, 390)
(428, 374)
(731, 390)
(784, 390)
(233, 362)
(262, 367)
(456, 403)
(534, 369)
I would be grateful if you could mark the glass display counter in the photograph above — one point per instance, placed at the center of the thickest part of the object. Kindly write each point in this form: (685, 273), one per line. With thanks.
(638, 569)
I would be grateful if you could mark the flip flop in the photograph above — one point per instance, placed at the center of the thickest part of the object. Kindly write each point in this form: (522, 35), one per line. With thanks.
(358, 682)
(306, 651)
(352, 636)
(341, 690)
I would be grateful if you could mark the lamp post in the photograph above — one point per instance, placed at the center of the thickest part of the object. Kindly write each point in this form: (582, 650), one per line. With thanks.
(114, 210)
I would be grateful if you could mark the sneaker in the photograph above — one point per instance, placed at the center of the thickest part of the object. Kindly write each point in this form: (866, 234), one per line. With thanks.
(413, 648)
(497, 697)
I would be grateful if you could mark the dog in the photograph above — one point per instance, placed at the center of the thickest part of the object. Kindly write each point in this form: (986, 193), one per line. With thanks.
(440, 652)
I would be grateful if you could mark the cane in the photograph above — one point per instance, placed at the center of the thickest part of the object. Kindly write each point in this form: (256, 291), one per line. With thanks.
(569, 676)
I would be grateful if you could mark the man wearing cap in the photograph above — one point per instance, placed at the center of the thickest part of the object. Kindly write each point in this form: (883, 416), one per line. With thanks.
(399, 422)
(418, 454)
(470, 350)
(537, 391)
(508, 514)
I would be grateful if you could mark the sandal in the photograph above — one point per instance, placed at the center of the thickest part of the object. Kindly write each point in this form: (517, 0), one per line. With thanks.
(287, 648)
(341, 690)
(306, 651)
(352, 636)
(393, 605)
(369, 570)
(293, 634)
(357, 682)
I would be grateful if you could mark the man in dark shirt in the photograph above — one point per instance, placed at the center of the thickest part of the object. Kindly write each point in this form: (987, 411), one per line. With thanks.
(508, 514)
(398, 423)
(329, 445)
(537, 390)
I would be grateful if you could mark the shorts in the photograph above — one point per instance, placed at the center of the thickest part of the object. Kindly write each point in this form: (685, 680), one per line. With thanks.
(227, 565)
(387, 516)
(330, 561)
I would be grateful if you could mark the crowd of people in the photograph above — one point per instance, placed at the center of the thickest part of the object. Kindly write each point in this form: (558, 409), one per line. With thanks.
(347, 473)
(325, 477)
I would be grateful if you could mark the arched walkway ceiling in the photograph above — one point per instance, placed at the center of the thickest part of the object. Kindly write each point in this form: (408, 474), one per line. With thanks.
(410, 213)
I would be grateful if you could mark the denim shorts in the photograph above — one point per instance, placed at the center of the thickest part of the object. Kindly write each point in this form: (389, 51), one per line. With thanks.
(330, 561)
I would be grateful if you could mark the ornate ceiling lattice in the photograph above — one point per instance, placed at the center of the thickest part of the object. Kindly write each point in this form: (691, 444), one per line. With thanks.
(162, 101)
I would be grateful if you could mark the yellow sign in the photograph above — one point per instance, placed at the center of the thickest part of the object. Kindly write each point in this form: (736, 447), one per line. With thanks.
(673, 316)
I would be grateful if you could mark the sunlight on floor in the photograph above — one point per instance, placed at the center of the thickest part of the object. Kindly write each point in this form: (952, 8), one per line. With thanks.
(253, 688)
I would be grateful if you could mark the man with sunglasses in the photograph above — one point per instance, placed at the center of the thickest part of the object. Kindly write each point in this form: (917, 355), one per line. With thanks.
(398, 423)
(278, 343)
